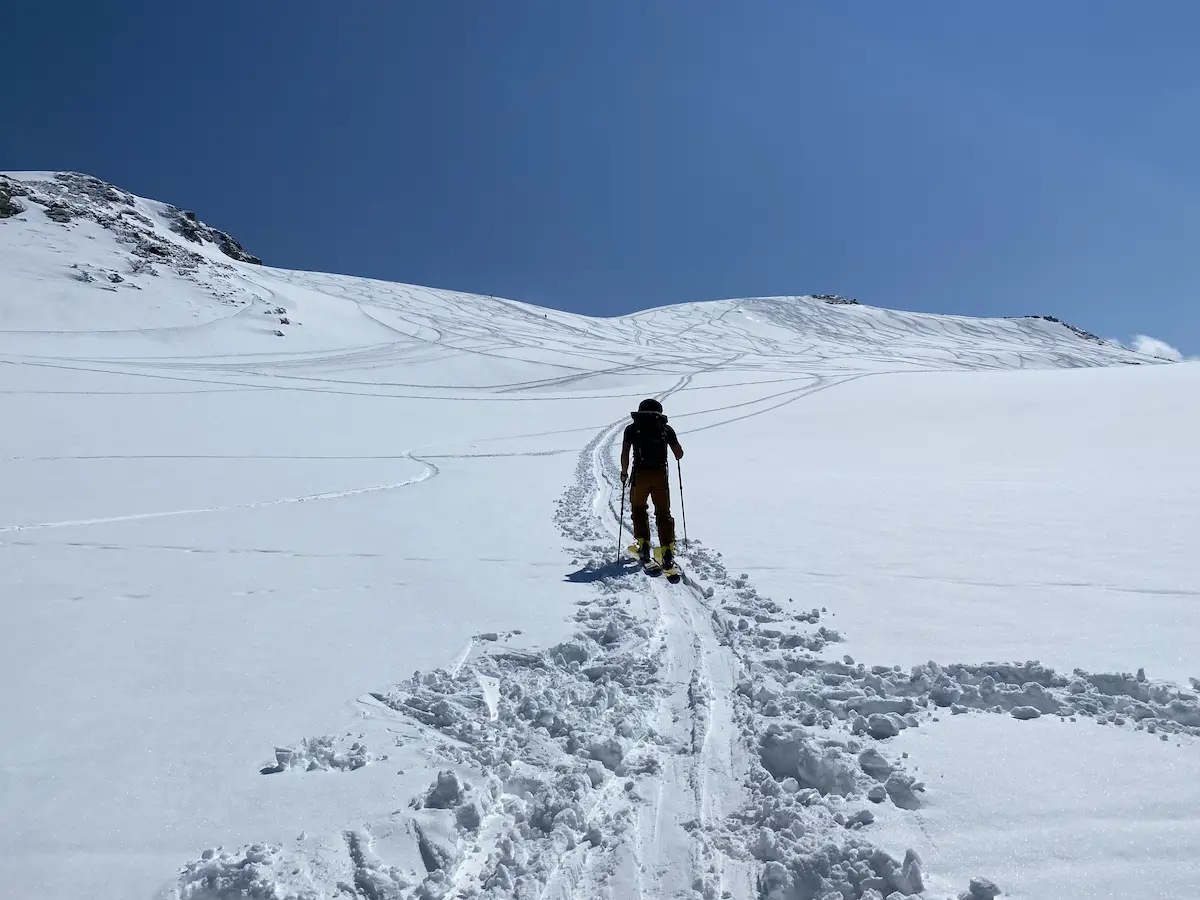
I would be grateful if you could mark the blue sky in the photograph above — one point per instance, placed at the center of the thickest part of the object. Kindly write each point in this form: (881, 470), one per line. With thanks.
(984, 159)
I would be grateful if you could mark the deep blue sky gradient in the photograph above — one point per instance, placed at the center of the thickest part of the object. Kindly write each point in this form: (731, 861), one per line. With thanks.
(985, 159)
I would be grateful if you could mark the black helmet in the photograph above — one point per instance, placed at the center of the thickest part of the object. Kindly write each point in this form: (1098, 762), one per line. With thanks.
(650, 405)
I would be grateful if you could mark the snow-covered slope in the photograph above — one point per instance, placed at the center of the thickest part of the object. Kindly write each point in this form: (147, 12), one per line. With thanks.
(86, 259)
(244, 505)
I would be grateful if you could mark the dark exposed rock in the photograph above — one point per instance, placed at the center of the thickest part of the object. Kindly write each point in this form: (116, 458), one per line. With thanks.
(93, 188)
(233, 249)
(1086, 335)
(12, 187)
(71, 196)
(137, 216)
(152, 238)
(57, 211)
(8, 206)
(151, 249)
(185, 224)
(9, 190)
(836, 299)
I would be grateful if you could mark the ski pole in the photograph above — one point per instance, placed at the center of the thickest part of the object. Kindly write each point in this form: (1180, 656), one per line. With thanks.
(621, 523)
(682, 505)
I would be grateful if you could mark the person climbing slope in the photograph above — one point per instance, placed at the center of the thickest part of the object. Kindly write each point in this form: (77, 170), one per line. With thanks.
(649, 436)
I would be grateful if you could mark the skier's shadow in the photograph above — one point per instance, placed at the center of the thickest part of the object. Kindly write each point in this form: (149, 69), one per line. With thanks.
(592, 573)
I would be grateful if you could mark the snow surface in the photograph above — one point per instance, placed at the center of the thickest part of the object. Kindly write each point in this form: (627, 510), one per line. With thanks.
(310, 591)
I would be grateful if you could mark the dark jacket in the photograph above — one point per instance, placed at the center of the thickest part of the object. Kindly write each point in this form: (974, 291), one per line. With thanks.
(649, 436)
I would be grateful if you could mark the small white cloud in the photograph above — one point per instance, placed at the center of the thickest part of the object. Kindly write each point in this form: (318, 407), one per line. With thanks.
(1154, 347)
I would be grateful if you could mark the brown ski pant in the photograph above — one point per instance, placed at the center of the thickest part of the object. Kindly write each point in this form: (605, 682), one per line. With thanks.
(655, 485)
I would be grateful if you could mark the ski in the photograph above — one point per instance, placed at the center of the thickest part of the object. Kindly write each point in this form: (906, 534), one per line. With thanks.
(672, 571)
(651, 567)
(654, 567)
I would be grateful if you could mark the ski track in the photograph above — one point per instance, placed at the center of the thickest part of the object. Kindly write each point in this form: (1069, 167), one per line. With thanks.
(431, 471)
(700, 732)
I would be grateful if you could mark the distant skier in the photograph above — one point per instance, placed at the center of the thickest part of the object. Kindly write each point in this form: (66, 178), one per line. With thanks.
(648, 437)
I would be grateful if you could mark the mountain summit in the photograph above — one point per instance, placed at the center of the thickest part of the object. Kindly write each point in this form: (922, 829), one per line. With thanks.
(66, 197)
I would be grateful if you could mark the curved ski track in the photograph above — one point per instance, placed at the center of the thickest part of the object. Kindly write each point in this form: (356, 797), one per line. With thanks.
(431, 471)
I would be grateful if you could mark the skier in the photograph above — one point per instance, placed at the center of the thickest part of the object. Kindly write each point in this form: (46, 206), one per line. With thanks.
(649, 436)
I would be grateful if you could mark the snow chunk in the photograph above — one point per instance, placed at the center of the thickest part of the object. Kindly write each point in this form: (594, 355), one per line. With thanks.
(829, 770)
(571, 651)
(903, 790)
(609, 752)
(320, 754)
(447, 792)
(980, 889)
(881, 727)
(871, 762)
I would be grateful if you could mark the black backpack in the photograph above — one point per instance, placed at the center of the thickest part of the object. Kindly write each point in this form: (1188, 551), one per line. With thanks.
(649, 441)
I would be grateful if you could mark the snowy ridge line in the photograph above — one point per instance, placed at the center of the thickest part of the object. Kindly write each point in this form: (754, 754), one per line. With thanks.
(147, 244)
(809, 316)
(431, 471)
(809, 358)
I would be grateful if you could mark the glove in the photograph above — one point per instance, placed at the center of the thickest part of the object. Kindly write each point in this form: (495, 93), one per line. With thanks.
(624, 478)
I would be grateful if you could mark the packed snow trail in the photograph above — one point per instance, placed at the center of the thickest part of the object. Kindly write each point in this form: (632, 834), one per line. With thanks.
(703, 765)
